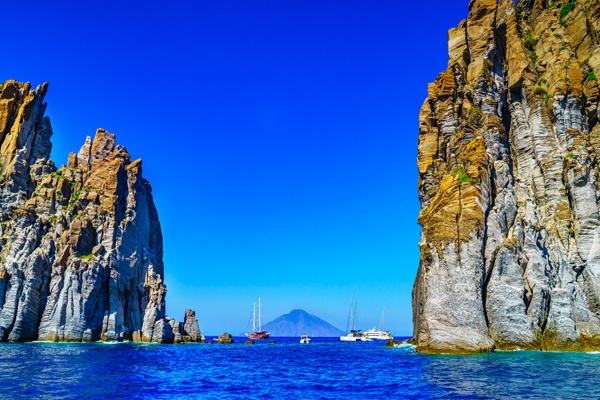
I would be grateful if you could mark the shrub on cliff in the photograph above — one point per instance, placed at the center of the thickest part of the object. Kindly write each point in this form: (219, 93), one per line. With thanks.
(591, 77)
(564, 11)
(529, 43)
(464, 178)
(533, 57)
(540, 91)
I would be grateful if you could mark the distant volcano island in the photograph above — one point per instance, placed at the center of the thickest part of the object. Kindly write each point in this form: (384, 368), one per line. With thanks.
(299, 322)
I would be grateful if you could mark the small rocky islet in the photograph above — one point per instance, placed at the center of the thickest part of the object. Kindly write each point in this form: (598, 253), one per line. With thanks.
(509, 160)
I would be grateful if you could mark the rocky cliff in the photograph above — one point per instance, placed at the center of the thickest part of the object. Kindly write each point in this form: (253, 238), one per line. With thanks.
(81, 245)
(509, 158)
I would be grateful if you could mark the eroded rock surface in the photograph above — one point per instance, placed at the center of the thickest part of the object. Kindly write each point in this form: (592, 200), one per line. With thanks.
(225, 338)
(81, 246)
(191, 328)
(509, 157)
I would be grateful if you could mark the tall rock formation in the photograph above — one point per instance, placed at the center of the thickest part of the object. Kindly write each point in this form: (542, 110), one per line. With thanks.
(81, 246)
(509, 158)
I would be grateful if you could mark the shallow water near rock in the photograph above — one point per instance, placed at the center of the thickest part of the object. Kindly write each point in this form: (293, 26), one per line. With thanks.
(323, 369)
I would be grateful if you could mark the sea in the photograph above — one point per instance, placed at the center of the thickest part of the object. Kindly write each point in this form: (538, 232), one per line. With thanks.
(323, 369)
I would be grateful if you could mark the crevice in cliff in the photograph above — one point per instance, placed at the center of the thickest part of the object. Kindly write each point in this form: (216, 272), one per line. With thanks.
(467, 40)
(458, 216)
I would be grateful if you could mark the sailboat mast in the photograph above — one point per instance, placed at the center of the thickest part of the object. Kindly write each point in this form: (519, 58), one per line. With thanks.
(254, 318)
(349, 324)
(381, 322)
(355, 313)
(259, 328)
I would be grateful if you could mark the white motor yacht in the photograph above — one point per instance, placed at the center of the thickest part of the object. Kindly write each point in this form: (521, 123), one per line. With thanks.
(304, 339)
(380, 334)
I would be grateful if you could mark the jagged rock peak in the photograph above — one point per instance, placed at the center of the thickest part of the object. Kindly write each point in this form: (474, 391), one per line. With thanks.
(81, 246)
(508, 160)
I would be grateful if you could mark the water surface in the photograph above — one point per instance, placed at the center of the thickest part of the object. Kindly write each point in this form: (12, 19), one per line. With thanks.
(324, 369)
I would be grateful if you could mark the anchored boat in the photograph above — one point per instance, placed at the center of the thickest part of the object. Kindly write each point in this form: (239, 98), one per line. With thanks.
(304, 339)
(380, 334)
(356, 335)
(256, 333)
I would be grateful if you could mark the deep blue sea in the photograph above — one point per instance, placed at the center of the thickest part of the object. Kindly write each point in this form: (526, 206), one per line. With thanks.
(324, 369)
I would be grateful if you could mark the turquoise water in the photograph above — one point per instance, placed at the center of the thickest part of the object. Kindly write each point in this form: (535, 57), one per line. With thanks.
(324, 369)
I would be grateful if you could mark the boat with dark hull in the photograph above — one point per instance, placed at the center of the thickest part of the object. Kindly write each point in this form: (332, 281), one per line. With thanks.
(256, 333)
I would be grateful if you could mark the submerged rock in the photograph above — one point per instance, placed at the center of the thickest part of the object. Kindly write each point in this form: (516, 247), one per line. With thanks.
(249, 342)
(393, 343)
(509, 157)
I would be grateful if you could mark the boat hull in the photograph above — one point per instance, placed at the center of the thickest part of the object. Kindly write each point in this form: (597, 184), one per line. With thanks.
(355, 339)
(379, 335)
(258, 335)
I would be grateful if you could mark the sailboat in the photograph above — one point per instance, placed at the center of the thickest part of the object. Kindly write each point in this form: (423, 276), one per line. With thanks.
(356, 335)
(256, 333)
(380, 334)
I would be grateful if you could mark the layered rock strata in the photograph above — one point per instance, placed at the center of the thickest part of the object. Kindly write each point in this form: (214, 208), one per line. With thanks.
(81, 246)
(509, 158)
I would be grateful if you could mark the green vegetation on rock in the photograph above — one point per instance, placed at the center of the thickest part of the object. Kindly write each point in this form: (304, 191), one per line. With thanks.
(529, 43)
(475, 110)
(591, 77)
(564, 11)
(540, 91)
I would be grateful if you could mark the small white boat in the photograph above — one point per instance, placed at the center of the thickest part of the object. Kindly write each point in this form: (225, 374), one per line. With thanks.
(356, 335)
(380, 334)
(304, 339)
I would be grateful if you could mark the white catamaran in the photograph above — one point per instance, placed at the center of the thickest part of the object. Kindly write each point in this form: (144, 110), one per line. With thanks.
(380, 334)
(356, 335)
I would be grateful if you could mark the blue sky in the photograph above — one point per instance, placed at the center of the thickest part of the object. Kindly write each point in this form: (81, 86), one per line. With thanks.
(280, 139)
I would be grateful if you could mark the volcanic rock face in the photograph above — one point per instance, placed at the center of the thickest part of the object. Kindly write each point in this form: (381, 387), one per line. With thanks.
(509, 157)
(81, 246)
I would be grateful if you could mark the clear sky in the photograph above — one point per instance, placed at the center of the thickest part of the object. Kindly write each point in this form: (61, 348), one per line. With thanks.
(280, 138)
